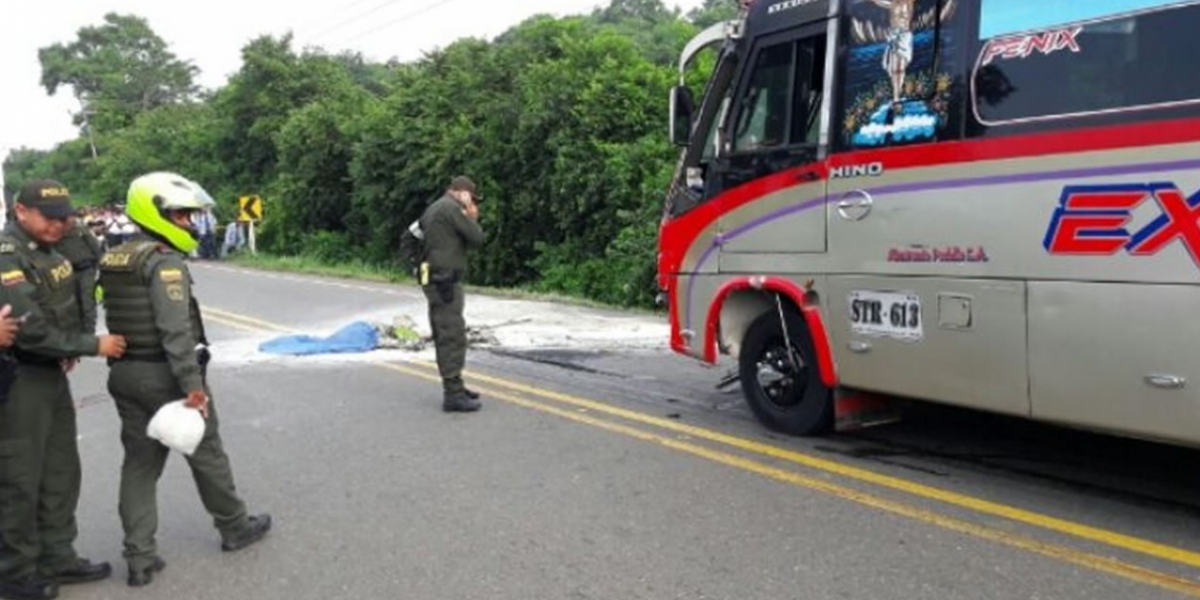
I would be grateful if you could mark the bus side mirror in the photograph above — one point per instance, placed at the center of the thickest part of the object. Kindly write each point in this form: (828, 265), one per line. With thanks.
(681, 115)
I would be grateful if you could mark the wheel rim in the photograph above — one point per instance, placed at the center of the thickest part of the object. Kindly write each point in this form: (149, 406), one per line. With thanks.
(781, 380)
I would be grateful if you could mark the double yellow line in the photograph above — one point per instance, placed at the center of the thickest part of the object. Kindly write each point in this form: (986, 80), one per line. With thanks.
(239, 321)
(681, 437)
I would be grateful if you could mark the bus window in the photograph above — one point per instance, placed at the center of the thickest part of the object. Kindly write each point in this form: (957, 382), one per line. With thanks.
(764, 113)
(810, 82)
(902, 62)
(712, 140)
(1000, 17)
(1129, 62)
(782, 105)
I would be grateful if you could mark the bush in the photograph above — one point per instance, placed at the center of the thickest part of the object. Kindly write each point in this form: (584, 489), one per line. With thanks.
(329, 246)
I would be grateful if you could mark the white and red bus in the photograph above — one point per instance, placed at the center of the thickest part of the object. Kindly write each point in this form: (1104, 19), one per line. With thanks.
(987, 203)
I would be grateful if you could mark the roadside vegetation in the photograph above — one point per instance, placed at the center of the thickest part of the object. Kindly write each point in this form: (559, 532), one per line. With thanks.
(562, 122)
(366, 271)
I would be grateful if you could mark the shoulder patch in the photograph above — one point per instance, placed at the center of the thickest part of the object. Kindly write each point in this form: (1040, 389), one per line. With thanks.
(11, 278)
(175, 292)
(170, 275)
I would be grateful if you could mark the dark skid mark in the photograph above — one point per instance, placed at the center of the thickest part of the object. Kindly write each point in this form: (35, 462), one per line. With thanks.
(1072, 473)
(881, 456)
(565, 359)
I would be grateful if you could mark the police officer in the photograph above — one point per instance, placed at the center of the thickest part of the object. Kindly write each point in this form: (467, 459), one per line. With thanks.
(39, 459)
(81, 247)
(450, 225)
(148, 298)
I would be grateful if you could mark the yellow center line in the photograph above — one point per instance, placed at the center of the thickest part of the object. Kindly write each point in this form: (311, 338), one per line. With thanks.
(245, 322)
(241, 323)
(233, 323)
(1084, 559)
(1103, 536)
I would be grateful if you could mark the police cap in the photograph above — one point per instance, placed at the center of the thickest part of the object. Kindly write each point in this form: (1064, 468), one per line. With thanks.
(462, 183)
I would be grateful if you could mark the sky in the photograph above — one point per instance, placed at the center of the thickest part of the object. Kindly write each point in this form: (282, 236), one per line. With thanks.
(211, 34)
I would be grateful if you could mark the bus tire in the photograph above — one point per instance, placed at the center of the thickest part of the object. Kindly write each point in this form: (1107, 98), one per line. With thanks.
(786, 396)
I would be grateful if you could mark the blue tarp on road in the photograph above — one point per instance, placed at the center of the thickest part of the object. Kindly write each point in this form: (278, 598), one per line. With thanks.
(355, 337)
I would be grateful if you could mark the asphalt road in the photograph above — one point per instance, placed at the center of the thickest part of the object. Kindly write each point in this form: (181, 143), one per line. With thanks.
(617, 474)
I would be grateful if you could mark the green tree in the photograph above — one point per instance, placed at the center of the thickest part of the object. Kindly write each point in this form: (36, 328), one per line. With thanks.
(178, 138)
(69, 162)
(21, 165)
(117, 70)
(713, 11)
(560, 120)
(643, 11)
(313, 191)
(252, 109)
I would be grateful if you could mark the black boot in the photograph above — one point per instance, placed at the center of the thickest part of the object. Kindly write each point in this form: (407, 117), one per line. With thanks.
(257, 526)
(459, 402)
(470, 393)
(144, 575)
(83, 571)
(29, 587)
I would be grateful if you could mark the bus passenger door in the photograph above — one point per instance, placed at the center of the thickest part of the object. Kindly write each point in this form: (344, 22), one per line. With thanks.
(773, 193)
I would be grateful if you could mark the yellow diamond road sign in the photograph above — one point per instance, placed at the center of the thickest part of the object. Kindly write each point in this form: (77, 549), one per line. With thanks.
(250, 208)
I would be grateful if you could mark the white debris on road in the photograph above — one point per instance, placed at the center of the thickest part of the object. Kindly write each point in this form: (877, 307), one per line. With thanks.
(533, 324)
(497, 322)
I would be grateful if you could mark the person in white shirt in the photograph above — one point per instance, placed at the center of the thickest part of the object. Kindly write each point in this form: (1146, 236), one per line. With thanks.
(233, 238)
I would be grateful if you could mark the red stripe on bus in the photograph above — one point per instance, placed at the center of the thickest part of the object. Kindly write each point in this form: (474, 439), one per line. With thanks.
(677, 235)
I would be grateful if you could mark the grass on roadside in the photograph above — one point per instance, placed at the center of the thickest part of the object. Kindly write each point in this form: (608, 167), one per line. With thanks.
(372, 272)
(312, 266)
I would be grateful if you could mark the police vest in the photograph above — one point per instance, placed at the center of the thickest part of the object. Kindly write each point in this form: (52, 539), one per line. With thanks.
(84, 255)
(54, 279)
(127, 306)
(77, 249)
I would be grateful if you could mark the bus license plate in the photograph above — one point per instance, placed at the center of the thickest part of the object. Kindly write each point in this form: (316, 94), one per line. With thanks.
(886, 314)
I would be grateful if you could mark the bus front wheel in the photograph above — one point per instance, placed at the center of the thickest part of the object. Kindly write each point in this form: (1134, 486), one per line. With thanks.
(780, 378)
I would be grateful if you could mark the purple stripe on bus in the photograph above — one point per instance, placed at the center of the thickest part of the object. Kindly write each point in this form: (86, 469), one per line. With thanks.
(925, 186)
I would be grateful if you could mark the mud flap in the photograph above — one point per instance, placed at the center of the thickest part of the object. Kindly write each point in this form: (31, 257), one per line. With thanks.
(854, 409)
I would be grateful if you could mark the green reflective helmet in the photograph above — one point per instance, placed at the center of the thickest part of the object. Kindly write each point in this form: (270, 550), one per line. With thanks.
(152, 195)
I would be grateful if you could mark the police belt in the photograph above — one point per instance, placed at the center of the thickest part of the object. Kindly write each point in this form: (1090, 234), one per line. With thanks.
(151, 355)
(445, 276)
(203, 356)
(32, 359)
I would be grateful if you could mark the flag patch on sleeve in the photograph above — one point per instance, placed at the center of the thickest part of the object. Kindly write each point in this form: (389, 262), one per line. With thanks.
(14, 277)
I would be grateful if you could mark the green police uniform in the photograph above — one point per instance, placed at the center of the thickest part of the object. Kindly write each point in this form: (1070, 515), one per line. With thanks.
(82, 248)
(39, 459)
(448, 235)
(148, 299)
